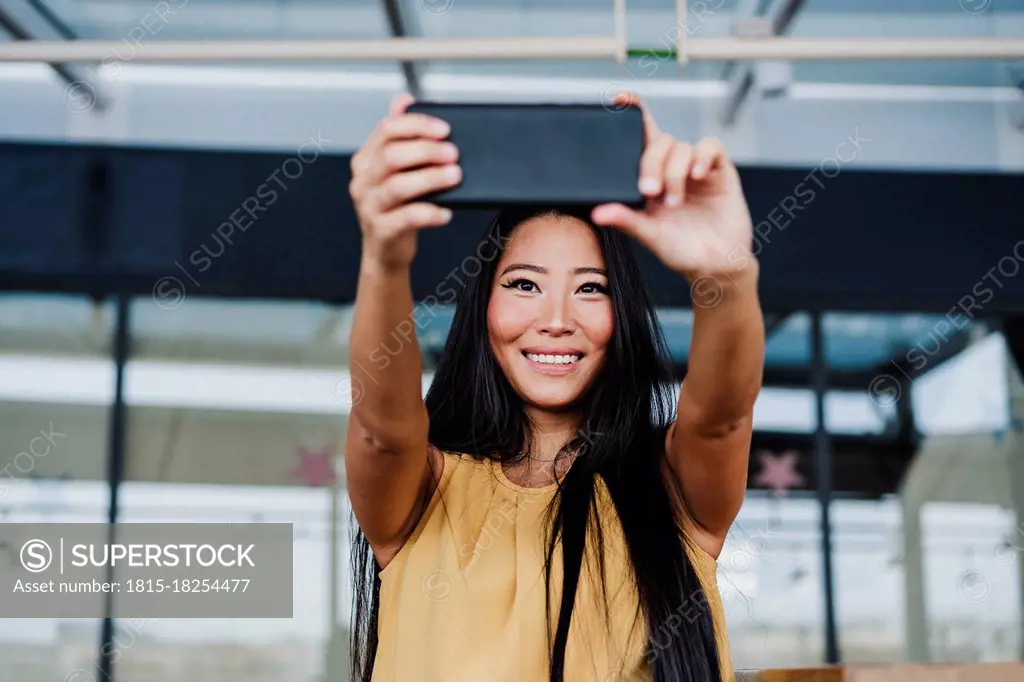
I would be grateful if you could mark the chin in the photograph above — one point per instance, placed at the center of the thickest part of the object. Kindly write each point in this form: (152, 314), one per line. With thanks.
(555, 401)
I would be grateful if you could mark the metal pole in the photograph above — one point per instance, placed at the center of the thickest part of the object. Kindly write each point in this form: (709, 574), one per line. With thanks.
(79, 82)
(396, 23)
(916, 617)
(823, 467)
(474, 49)
(334, 567)
(682, 26)
(338, 659)
(778, 18)
(115, 474)
(372, 50)
(621, 36)
(333, 663)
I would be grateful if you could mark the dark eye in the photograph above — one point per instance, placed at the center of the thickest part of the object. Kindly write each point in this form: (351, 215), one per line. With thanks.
(593, 288)
(522, 285)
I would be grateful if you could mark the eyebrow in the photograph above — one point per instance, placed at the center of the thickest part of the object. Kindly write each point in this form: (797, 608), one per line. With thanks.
(543, 271)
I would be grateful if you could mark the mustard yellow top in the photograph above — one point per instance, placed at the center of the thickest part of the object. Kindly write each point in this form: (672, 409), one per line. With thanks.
(464, 600)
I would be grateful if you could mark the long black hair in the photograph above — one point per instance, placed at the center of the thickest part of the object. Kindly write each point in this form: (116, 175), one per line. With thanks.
(474, 410)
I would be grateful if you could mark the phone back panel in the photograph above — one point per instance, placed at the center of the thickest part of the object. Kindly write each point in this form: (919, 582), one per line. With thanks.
(560, 154)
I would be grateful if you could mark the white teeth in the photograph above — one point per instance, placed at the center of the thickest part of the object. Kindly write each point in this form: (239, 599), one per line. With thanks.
(553, 359)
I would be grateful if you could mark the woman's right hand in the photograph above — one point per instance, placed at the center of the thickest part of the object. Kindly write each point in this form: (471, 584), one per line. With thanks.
(405, 157)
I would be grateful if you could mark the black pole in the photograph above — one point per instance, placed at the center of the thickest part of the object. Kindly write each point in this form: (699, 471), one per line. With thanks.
(396, 23)
(823, 467)
(115, 474)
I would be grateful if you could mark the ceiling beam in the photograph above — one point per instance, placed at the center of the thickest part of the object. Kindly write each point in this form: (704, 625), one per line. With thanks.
(319, 258)
(911, 364)
(29, 20)
(524, 48)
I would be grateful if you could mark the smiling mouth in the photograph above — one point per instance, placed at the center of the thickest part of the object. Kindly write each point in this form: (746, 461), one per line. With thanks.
(553, 363)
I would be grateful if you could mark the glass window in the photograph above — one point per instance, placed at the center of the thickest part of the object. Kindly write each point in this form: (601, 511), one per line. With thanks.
(933, 572)
(261, 650)
(869, 579)
(972, 582)
(770, 576)
(236, 414)
(53, 453)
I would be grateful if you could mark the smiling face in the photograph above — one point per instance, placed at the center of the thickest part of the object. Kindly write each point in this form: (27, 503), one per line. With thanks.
(549, 318)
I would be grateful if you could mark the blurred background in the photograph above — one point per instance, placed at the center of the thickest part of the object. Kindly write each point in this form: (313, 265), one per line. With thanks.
(178, 256)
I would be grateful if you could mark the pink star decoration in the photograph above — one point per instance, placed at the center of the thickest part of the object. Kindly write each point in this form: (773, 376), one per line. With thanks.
(779, 472)
(316, 468)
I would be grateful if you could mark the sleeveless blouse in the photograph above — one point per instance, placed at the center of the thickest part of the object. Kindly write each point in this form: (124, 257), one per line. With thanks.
(464, 599)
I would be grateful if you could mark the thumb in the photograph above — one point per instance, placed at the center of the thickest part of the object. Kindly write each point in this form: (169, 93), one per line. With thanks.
(634, 223)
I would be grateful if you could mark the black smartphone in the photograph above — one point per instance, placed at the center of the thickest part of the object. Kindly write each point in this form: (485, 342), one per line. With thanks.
(557, 154)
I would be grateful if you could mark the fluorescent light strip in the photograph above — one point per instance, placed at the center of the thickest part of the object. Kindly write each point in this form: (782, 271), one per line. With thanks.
(258, 389)
(507, 86)
(902, 93)
(54, 379)
(33, 73)
(499, 84)
(149, 383)
(297, 390)
(591, 88)
(236, 78)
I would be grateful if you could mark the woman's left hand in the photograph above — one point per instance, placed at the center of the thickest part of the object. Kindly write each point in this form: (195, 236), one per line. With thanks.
(696, 220)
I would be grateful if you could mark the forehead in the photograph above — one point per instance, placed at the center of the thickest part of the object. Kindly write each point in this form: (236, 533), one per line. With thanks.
(554, 240)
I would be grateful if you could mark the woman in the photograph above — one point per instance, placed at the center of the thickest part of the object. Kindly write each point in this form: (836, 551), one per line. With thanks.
(541, 516)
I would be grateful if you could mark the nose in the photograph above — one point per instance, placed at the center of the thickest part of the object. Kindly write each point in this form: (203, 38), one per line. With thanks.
(558, 319)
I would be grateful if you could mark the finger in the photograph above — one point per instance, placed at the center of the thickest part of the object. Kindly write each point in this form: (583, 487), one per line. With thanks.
(400, 103)
(652, 166)
(401, 187)
(359, 164)
(407, 126)
(402, 126)
(651, 129)
(634, 223)
(708, 155)
(415, 216)
(677, 169)
(402, 155)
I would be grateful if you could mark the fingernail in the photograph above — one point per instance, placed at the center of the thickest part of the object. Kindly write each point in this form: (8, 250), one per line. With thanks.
(671, 200)
(450, 151)
(452, 173)
(441, 127)
(648, 185)
(698, 170)
(446, 214)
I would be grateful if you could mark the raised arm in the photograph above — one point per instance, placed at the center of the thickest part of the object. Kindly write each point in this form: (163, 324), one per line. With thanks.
(708, 446)
(698, 224)
(387, 454)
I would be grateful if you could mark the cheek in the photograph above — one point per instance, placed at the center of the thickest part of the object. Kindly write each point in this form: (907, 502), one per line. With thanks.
(600, 325)
(507, 321)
